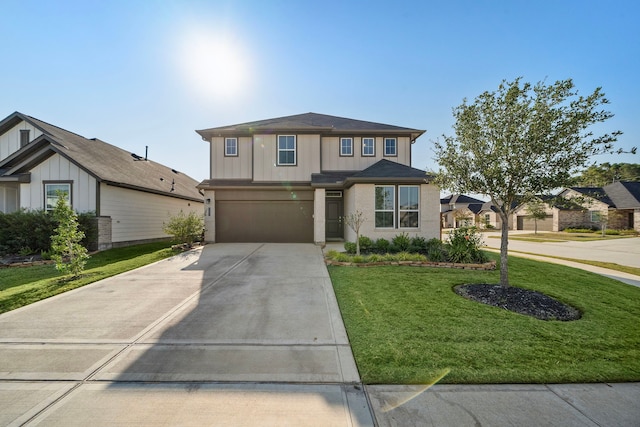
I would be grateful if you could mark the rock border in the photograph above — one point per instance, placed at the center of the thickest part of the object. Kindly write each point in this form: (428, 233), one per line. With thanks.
(26, 263)
(491, 265)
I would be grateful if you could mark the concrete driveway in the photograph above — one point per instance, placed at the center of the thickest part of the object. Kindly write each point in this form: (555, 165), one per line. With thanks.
(231, 334)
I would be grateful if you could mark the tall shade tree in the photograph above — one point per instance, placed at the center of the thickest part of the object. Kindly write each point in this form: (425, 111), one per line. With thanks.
(519, 141)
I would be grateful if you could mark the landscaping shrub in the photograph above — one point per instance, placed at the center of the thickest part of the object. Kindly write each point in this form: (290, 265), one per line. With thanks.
(185, 228)
(435, 250)
(402, 242)
(350, 247)
(581, 229)
(612, 232)
(464, 246)
(418, 244)
(382, 246)
(366, 244)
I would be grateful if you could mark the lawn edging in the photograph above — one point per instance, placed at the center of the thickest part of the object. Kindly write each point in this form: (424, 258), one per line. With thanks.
(491, 265)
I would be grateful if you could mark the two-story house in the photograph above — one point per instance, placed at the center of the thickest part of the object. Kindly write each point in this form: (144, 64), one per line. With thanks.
(131, 196)
(295, 179)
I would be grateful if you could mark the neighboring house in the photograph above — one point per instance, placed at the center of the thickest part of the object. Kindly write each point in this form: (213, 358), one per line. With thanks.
(488, 216)
(523, 220)
(295, 179)
(616, 205)
(459, 210)
(130, 195)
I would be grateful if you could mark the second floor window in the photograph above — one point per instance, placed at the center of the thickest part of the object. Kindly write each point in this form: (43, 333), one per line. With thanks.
(286, 150)
(231, 146)
(368, 147)
(346, 146)
(390, 147)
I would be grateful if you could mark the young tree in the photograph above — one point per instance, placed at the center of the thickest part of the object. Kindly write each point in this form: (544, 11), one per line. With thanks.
(355, 220)
(537, 211)
(67, 252)
(519, 141)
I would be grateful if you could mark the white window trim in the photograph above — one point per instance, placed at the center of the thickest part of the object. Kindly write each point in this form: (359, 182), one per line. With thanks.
(48, 183)
(400, 211)
(226, 147)
(350, 146)
(295, 149)
(392, 210)
(395, 147)
(373, 146)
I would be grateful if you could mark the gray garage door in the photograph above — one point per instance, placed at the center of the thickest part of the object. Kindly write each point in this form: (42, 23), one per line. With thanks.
(264, 216)
(527, 223)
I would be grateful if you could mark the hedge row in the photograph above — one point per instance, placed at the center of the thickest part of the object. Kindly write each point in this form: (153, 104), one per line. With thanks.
(28, 232)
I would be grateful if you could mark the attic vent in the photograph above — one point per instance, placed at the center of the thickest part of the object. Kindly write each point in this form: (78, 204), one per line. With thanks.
(174, 171)
(24, 137)
(136, 157)
(333, 194)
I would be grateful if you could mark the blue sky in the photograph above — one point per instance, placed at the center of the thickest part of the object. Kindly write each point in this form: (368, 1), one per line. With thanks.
(138, 73)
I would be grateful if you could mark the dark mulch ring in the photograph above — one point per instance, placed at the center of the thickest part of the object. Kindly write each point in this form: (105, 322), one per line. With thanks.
(518, 300)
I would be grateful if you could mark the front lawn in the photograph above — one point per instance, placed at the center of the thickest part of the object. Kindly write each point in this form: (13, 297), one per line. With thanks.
(407, 326)
(20, 286)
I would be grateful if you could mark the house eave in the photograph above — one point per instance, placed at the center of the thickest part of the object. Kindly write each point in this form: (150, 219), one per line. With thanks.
(151, 191)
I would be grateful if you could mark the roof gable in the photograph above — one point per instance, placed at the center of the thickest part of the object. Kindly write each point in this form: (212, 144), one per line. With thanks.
(380, 172)
(309, 122)
(624, 194)
(104, 161)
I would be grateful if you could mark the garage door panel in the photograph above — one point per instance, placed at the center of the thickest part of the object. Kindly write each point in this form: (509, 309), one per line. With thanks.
(277, 221)
(528, 223)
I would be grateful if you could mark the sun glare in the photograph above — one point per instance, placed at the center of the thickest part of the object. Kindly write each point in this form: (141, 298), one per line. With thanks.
(214, 64)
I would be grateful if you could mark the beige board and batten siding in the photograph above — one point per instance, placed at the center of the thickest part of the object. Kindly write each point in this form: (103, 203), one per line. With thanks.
(137, 215)
(265, 155)
(59, 169)
(231, 167)
(362, 196)
(10, 141)
(332, 161)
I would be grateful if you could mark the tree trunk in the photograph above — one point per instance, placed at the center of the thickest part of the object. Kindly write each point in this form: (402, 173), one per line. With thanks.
(504, 243)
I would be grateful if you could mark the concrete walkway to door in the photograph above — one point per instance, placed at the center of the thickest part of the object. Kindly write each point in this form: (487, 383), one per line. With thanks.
(231, 334)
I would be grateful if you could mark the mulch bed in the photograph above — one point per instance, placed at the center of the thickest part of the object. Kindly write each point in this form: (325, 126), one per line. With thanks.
(518, 300)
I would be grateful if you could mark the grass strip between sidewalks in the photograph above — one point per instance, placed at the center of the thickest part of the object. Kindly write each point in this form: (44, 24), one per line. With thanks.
(407, 326)
(608, 265)
(20, 286)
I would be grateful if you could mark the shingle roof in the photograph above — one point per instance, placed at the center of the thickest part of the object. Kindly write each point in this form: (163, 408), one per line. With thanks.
(104, 161)
(624, 194)
(309, 122)
(460, 199)
(380, 172)
(597, 193)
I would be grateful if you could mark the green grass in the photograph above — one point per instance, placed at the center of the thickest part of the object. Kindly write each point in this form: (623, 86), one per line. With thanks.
(407, 326)
(26, 285)
(562, 237)
(609, 265)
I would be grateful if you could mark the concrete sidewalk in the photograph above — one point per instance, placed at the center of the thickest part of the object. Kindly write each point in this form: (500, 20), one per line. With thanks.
(245, 334)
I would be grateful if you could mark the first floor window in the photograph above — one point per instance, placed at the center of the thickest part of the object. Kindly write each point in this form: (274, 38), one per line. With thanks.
(286, 150)
(408, 206)
(368, 147)
(51, 192)
(390, 147)
(346, 146)
(231, 146)
(385, 206)
(487, 219)
(596, 216)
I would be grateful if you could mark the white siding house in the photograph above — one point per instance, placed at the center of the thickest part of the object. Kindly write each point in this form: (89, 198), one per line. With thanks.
(130, 195)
